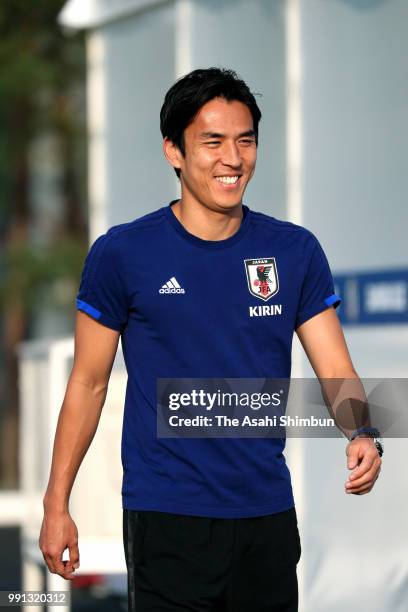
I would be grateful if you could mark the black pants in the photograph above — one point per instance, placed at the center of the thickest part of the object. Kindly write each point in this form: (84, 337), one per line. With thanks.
(177, 562)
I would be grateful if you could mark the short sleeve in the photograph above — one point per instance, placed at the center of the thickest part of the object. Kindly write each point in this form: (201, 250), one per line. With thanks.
(317, 291)
(102, 293)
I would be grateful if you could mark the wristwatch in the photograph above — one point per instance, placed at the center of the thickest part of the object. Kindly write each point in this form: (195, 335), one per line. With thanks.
(379, 445)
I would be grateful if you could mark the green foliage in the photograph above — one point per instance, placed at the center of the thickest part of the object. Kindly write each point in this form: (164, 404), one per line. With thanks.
(35, 54)
(29, 271)
(42, 69)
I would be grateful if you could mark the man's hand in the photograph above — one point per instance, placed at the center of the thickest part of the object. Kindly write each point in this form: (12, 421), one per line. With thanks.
(58, 532)
(363, 458)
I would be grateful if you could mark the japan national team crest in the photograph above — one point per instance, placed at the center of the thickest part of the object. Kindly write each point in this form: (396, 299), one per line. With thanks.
(262, 276)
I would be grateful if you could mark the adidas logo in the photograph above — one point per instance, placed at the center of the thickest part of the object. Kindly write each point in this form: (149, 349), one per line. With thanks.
(171, 286)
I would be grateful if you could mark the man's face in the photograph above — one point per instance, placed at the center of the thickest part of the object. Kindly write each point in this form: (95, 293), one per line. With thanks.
(220, 154)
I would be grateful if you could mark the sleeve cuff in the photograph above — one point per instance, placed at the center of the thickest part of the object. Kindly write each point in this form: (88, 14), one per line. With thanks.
(333, 300)
(98, 315)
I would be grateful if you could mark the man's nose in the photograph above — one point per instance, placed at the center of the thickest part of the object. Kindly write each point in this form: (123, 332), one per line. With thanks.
(231, 155)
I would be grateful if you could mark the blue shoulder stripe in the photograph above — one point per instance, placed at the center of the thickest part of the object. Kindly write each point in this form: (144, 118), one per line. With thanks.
(88, 308)
(333, 300)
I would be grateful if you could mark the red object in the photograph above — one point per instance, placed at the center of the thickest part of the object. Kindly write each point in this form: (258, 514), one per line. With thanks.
(87, 580)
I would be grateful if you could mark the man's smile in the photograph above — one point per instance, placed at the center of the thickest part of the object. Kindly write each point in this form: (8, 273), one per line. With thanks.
(229, 181)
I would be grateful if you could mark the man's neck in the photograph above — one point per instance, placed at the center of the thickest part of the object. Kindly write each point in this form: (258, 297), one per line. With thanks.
(206, 223)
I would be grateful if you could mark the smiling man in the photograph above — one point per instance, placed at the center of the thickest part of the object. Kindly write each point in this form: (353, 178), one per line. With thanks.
(203, 287)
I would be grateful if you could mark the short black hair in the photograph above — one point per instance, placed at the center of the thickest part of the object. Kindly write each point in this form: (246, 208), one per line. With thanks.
(189, 93)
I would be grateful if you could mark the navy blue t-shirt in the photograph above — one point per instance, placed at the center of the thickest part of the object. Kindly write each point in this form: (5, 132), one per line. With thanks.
(193, 308)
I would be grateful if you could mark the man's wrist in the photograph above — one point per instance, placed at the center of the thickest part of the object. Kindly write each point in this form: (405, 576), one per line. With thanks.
(55, 504)
(377, 440)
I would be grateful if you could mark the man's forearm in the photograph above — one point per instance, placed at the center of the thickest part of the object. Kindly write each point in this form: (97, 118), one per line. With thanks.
(346, 401)
(77, 424)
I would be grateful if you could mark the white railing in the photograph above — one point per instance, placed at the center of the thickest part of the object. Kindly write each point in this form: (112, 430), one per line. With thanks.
(95, 501)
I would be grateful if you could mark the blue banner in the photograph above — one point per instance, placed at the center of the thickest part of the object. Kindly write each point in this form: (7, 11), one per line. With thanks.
(373, 298)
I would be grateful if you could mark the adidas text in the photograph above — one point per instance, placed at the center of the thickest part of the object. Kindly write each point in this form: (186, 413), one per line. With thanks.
(172, 290)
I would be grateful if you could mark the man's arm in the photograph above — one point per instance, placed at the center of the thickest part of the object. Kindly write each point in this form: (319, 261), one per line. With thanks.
(323, 341)
(95, 349)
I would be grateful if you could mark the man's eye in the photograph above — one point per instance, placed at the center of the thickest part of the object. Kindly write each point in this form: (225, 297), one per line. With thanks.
(247, 141)
(213, 142)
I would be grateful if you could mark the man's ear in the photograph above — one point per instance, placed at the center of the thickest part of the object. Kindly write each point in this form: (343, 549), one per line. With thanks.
(172, 153)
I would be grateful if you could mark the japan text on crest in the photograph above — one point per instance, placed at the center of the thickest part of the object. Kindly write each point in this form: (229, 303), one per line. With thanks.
(262, 276)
